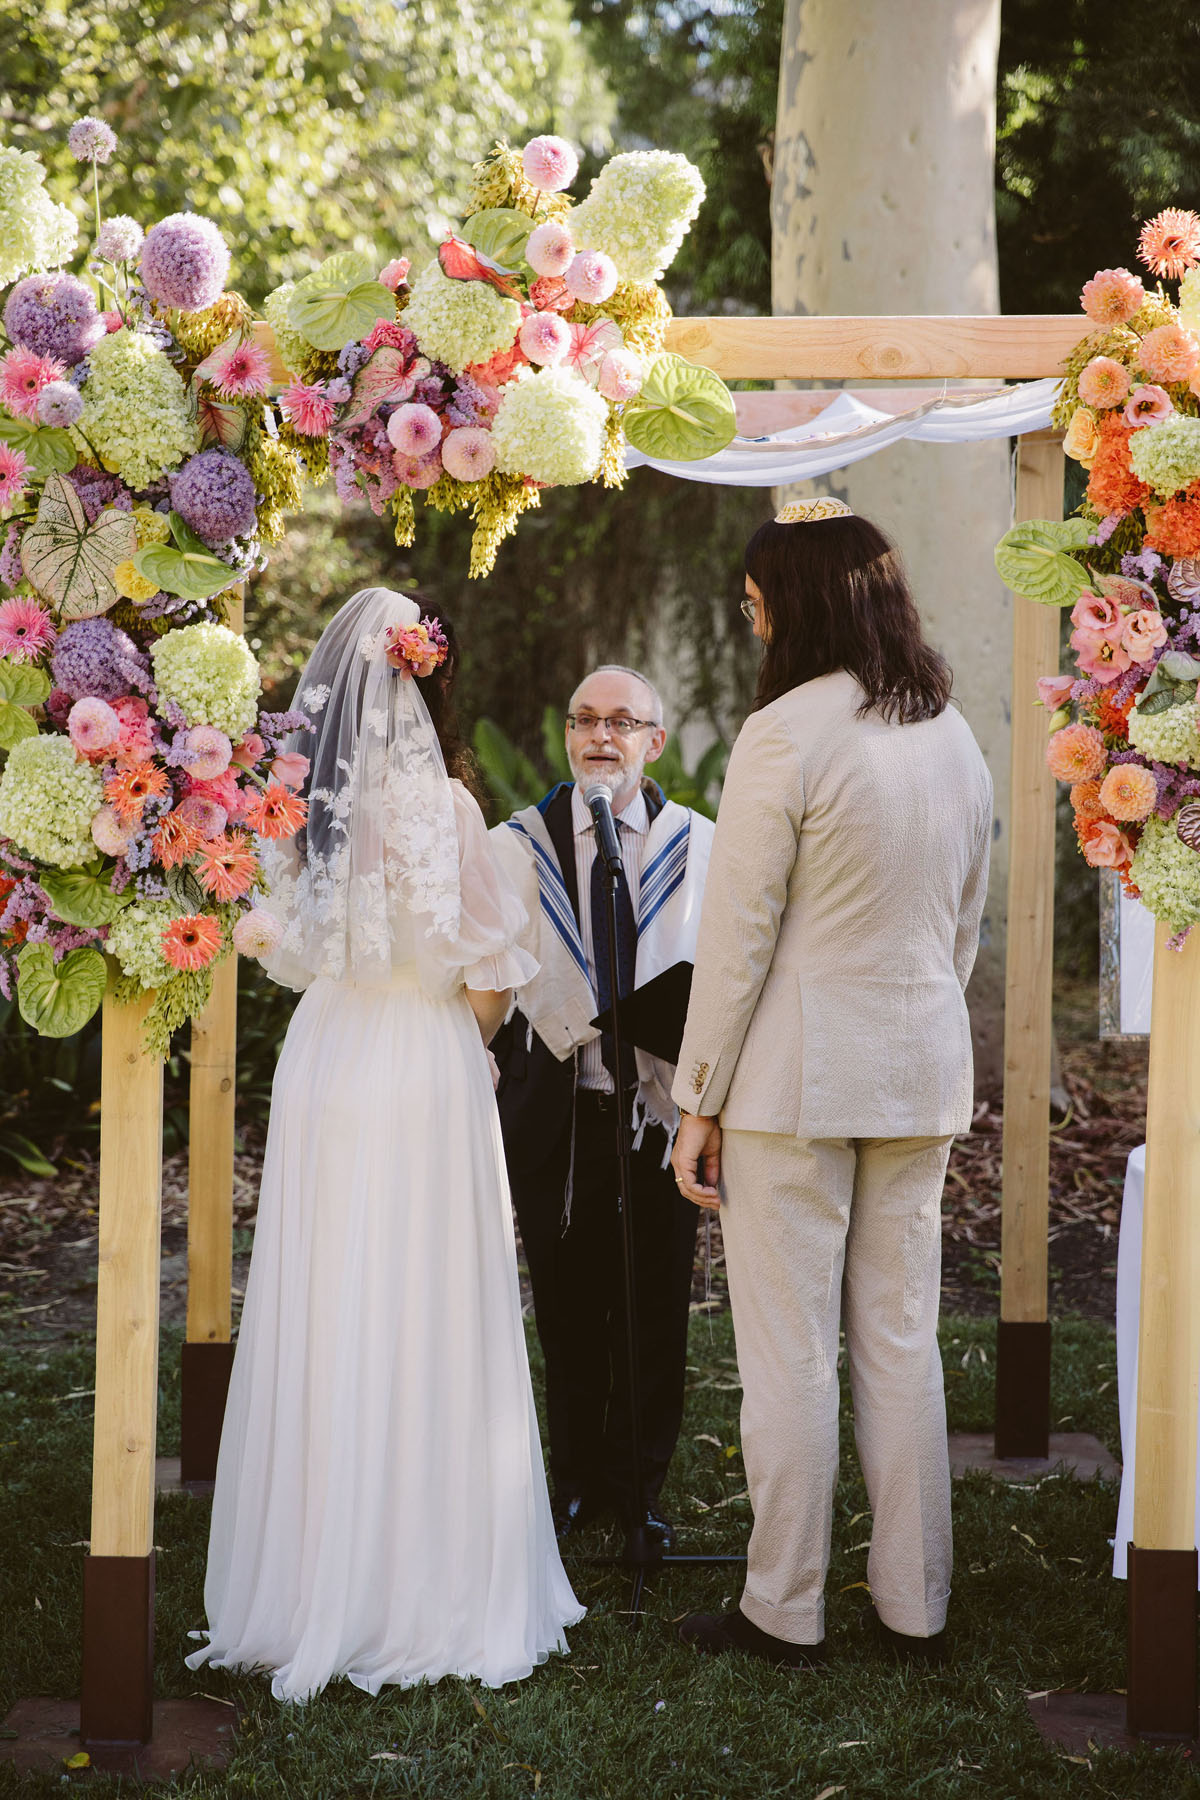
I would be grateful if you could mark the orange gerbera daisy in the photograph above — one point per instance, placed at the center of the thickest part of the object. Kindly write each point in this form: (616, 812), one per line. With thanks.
(129, 790)
(191, 942)
(1170, 242)
(274, 812)
(226, 866)
(1112, 485)
(174, 841)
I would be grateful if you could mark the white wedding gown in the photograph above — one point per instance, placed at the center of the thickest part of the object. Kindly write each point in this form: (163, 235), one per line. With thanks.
(381, 1509)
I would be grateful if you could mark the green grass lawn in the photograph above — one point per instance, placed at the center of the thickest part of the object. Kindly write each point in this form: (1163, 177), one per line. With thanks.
(638, 1716)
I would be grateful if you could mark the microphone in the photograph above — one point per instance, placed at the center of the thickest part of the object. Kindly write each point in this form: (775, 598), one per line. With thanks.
(598, 800)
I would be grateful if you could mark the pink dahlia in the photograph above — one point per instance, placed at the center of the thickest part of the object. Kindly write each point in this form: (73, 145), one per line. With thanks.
(591, 276)
(1076, 753)
(621, 375)
(468, 453)
(393, 274)
(414, 429)
(108, 833)
(417, 471)
(545, 338)
(208, 752)
(93, 727)
(1103, 382)
(203, 816)
(549, 249)
(307, 408)
(240, 369)
(549, 163)
(1169, 353)
(1054, 690)
(23, 375)
(26, 629)
(257, 933)
(1112, 296)
(1147, 405)
(14, 471)
(1170, 242)
(137, 729)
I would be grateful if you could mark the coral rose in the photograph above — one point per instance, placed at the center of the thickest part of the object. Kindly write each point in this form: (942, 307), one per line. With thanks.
(1142, 632)
(1081, 437)
(1076, 753)
(1105, 846)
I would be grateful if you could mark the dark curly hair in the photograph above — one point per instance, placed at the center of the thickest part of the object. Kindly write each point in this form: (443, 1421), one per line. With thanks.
(437, 691)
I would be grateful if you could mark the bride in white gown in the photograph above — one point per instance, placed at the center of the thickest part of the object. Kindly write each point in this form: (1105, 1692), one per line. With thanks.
(380, 1510)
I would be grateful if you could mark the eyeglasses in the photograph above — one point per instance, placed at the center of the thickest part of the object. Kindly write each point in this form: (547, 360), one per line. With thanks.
(584, 724)
(748, 605)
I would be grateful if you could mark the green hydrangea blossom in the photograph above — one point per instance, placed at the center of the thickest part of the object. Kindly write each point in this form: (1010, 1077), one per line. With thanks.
(48, 799)
(1167, 875)
(35, 232)
(135, 939)
(459, 322)
(210, 674)
(294, 349)
(1168, 737)
(550, 426)
(1167, 456)
(135, 409)
(638, 211)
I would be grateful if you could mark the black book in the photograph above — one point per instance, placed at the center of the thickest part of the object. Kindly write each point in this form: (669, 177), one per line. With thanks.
(653, 1016)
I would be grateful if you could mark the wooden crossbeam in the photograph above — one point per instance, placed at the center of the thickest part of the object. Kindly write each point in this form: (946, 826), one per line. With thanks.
(1012, 346)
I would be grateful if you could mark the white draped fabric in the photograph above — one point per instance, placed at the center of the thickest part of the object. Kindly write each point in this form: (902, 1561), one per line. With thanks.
(849, 430)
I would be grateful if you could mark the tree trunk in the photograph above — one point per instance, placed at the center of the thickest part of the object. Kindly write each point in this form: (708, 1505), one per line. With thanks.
(882, 202)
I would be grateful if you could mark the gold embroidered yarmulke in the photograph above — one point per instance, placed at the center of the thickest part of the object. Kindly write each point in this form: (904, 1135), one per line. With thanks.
(803, 512)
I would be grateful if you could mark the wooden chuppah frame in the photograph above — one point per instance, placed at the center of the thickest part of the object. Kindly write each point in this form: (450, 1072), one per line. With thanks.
(1004, 347)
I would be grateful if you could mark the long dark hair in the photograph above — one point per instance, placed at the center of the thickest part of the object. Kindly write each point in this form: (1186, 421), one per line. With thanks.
(437, 691)
(836, 597)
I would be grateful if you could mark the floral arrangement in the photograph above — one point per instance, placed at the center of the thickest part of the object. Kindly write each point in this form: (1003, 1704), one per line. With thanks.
(523, 355)
(416, 649)
(1124, 724)
(142, 475)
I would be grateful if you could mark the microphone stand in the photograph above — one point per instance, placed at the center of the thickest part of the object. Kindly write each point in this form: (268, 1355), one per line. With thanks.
(643, 1548)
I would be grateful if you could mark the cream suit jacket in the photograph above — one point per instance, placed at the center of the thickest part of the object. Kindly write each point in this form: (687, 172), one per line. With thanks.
(840, 924)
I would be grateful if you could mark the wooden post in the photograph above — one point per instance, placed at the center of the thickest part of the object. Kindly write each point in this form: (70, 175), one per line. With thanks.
(1162, 1556)
(1023, 1339)
(207, 1356)
(118, 1590)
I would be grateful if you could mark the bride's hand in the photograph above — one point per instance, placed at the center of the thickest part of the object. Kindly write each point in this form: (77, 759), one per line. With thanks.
(696, 1159)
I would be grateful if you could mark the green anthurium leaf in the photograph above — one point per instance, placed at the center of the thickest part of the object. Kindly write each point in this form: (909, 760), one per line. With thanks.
(48, 449)
(1032, 559)
(339, 316)
(59, 999)
(185, 537)
(23, 683)
(193, 574)
(15, 724)
(82, 896)
(500, 232)
(70, 561)
(344, 269)
(682, 414)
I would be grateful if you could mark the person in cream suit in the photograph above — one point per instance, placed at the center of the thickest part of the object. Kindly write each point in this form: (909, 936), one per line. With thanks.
(826, 1066)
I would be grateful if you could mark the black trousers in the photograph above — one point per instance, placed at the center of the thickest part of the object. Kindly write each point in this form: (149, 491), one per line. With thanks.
(577, 1273)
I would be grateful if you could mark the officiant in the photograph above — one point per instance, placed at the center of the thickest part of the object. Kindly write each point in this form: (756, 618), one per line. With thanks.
(558, 1105)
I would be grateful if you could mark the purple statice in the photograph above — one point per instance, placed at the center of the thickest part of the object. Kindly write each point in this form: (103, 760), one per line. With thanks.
(94, 658)
(62, 938)
(91, 140)
(351, 358)
(272, 727)
(122, 875)
(1106, 528)
(97, 489)
(338, 390)
(54, 315)
(1142, 564)
(214, 494)
(184, 262)
(11, 572)
(430, 391)
(151, 886)
(1131, 680)
(119, 239)
(469, 403)
(60, 404)
(25, 904)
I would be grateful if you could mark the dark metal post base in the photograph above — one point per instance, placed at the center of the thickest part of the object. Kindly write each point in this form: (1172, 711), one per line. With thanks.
(117, 1703)
(204, 1384)
(1023, 1387)
(1162, 1643)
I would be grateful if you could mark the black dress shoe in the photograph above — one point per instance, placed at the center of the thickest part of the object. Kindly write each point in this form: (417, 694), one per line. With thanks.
(714, 1633)
(660, 1528)
(930, 1650)
(571, 1512)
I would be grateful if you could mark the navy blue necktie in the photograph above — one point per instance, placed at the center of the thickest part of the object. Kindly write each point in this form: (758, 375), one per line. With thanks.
(626, 949)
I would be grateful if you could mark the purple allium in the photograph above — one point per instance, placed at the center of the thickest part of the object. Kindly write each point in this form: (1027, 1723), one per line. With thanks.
(93, 657)
(59, 404)
(119, 239)
(214, 494)
(11, 572)
(97, 489)
(54, 315)
(184, 262)
(91, 140)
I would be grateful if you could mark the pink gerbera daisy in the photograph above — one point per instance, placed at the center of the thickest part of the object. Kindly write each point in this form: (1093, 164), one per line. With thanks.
(307, 408)
(240, 370)
(13, 472)
(1170, 242)
(23, 375)
(191, 942)
(26, 629)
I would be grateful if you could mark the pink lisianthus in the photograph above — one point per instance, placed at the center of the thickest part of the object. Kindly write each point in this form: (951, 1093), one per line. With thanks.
(26, 629)
(414, 429)
(290, 768)
(416, 649)
(1112, 296)
(1105, 846)
(108, 833)
(23, 375)
(591, 276)
(1096, 612)
(14, 471)
(240, 370)
(1103, 382)
(1147, 405)
(93, 727)
(248, 752)
(1101, 654)
(307, 408)
(208, 752)
(549, 163)
(544, 338)
(549, 249)
(394, 273)
(202, 815)
(1169, 353)
(417, 472)
(1054, 690)
(1142, 633)
(468, 453)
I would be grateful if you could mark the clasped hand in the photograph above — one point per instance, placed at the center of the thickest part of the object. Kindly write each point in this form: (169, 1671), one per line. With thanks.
(696, 1159)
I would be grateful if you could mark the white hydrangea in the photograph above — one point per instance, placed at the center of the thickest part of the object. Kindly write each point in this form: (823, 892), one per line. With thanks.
(1167, 737)
(1189, 300)
(459, 322)
(35, 232)
(550, 426)
(1167, 873)
(638, 211)
(135, 939)
(48, 799)
(210, 674)
(135, 408)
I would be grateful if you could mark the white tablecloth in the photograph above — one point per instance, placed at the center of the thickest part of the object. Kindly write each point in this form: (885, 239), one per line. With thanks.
(1129, 1280)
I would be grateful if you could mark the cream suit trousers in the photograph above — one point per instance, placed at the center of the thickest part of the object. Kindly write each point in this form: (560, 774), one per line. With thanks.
(819, 1231)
